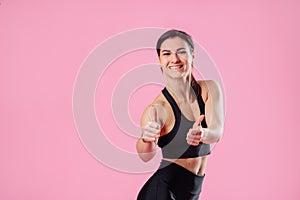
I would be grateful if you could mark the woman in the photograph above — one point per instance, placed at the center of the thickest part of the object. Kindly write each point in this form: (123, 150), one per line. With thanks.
(183, 120)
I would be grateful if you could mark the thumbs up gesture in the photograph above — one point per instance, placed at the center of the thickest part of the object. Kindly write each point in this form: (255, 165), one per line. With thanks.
(151, 131)
(195, 134)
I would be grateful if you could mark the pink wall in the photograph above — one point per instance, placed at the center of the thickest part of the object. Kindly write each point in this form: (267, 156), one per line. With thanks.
(43, 44)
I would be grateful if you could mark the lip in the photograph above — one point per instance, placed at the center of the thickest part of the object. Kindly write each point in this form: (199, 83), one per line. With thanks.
(176, 67)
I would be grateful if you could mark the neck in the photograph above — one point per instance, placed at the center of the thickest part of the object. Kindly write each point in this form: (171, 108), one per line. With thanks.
(181, 89)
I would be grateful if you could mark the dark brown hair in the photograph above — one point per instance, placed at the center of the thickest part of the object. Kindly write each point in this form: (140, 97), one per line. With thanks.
(186, 37)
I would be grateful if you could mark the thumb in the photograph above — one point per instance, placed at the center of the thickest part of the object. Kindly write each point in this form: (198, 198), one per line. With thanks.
(153, 113)
(198, 122)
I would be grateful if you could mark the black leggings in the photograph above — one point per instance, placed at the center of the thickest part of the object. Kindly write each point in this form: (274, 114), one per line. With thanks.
(172, 181)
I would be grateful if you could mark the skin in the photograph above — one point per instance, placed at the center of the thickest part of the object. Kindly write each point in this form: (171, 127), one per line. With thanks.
(158, 119)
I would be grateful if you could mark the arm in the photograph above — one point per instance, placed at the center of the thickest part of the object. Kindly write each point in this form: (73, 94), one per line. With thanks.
(214, 113)
(151, 125)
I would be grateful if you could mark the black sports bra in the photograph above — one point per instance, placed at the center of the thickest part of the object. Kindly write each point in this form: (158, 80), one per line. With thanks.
(174, 144)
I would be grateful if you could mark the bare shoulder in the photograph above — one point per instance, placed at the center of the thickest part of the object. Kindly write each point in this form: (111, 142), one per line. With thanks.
(209, 88)
(208, 83)
(160, 105)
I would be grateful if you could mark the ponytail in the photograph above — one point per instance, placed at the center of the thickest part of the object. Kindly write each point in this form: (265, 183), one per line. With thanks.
(195, 86)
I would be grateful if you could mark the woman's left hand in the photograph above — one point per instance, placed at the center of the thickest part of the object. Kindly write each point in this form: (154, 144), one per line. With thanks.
(196, 134)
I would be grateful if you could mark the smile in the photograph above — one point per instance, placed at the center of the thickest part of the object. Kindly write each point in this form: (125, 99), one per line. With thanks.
(176, 67)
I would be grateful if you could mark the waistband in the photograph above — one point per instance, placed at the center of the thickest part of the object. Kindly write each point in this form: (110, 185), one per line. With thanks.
(180, 178)
(173, 167)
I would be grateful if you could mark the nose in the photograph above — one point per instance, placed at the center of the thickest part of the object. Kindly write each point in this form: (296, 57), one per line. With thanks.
(175, 58)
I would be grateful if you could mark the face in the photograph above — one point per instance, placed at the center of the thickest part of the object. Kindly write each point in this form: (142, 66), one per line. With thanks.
(176, 58)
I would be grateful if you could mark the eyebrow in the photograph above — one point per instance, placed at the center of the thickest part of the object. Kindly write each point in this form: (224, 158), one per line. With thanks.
(182, 48)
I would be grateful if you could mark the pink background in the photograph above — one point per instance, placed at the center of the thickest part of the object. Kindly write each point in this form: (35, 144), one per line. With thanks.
(255, 45)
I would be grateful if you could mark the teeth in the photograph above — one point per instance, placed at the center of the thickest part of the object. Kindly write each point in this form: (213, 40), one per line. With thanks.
(175, 67)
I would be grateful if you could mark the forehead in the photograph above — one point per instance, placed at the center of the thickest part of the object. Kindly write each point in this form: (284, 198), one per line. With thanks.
(174, 44)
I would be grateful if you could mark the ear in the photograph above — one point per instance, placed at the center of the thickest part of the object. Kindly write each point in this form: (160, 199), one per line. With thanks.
(193, 60)
(160, 65)
(159, 60)
(193, 56)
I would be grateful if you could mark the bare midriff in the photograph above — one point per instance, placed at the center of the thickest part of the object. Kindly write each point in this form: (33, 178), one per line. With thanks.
(195, 165)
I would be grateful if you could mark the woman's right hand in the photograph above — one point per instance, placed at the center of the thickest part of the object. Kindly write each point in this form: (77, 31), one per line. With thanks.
(151, 131)
(151, 125)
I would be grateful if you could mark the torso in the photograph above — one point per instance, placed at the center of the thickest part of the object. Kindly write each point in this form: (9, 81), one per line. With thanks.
(190, 111)
(195, 165)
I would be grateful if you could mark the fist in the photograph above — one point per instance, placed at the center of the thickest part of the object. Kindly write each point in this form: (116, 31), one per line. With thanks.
(196, 133)
(151, 132)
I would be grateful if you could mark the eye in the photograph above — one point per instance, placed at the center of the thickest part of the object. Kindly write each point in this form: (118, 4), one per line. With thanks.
(181, 52)
(166, 54)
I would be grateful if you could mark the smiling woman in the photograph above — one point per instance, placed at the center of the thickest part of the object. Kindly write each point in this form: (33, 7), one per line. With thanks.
(175, 58)
(183, 120)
